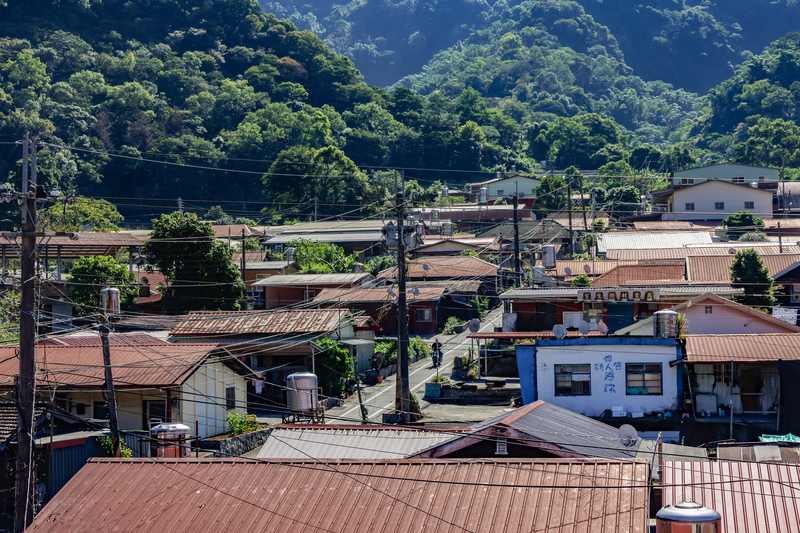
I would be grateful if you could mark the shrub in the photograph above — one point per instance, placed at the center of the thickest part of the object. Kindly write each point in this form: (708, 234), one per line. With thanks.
(107, 443)
(334, 367)
(418, 348)
(450, 325)
(241, 423)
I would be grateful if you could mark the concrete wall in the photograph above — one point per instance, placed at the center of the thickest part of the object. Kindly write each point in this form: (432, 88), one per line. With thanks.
(705, 197)
(130, 406)
(607, 358)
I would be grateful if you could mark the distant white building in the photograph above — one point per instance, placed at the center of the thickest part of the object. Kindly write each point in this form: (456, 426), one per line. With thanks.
(525, 186)
(764, 177)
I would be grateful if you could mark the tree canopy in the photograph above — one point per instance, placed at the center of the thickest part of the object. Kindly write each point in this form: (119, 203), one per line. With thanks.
(749, 273)
(90, 275)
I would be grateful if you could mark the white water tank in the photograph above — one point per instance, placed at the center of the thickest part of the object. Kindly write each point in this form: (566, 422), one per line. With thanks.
(483, 196)
(665, 324)
(549, 256)
(302, 392)
(688, 517)
(109, 301)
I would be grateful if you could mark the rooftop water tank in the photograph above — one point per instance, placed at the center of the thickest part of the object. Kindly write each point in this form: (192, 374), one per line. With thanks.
(665, 324)
(447, 228)
(109, 301)
(538, 273)
(688, 517)
(302, 392)
(176, 436)
(483, 196)
(434, 214)
(549, 256)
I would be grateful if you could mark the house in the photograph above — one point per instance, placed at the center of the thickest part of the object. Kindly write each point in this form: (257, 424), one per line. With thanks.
(682, 252)
(456, 246)
(636, 240)
(188, 383)
(292, 289)
(238, 232)
(330, 441)
(764, 177)
(259, 270)
(712, 314)
(716, 269)
(524, 186)
(361, 237)
(642, 275)
(470, 218)
(751, 497)
(545, 430)
(424, 304)
(356, 495)
(593, 375)
(617, 307)
(275, 343)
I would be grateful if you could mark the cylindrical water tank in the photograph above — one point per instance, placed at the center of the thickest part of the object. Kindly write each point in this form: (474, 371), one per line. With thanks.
(549, 256)
(688, 517)
(665, 324)
(447, 228)
(483, 196)
(109, 301)
(421, 229)
(179, 433)
(391, 235)
(302, 392)
(434, 214)
(538, 273)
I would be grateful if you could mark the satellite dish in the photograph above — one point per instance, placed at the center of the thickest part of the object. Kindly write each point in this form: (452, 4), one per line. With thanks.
(583, 327)
(568, 271)
(731, 251)
(414, 291)
(391, 293)
(628, 435)
(426, 267)
(587, 269)
(559, 331)
(474, 325)
(602, 328)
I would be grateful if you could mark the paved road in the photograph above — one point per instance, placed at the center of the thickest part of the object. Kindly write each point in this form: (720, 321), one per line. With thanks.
(380, 398)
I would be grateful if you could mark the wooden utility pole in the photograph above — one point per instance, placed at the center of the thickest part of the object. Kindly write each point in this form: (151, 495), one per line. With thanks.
(402, 402)
(112, 401)
(24, 483)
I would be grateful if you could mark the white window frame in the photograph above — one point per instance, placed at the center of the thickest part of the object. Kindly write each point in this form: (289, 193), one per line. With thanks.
(689, 206)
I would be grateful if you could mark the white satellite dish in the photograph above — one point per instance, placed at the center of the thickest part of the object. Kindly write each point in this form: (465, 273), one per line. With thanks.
(587, 269)
(568, 271)
(628, 435)
(391, 293)
(414, 291)
(559, 331)
(602, 328)
(583, 327)
(474, 325)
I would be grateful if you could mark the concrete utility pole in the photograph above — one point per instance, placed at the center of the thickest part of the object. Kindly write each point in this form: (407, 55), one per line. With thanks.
(517, 268)
(112, 401)
(583, 204)
(402, 403)
(180, 205)
(23, 488)
(569, 208)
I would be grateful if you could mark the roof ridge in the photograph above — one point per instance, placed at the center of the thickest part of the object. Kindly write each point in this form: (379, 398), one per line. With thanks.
(519, 413)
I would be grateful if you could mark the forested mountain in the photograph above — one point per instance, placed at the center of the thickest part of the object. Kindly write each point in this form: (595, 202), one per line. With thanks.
(691, 44)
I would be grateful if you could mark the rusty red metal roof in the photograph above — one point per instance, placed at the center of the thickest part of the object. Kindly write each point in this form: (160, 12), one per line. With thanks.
(235, 231)
(764, 347)
(250, 257)
(438, 496)
(157, 365)
(641, 276)
(377, 294)
(260, 322)
(715, 269)
(93, 339)
(88, 243)
(763, 248)
(750, 497)
(460, 266)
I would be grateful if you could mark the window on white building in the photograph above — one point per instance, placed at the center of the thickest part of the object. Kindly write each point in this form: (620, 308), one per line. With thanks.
(573, 380)
(690, 206)
(737, 179)
(749, 205)
(230, 398)
(719, 205)
(499, 192)
(762, 179)
(643, 378)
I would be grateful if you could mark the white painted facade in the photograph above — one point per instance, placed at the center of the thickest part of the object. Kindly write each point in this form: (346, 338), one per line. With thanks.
(715, 200)
(730, 172)
(607, 377)
(509, 186)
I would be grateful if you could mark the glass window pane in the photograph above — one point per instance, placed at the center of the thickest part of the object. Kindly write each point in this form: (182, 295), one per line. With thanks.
(581, 368)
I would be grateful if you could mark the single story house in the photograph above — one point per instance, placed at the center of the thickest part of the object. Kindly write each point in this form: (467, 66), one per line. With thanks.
(184, 383)
(354, 495)
(713, 200)
(593, 375)
(292, 289)
(361, 237)
(657, 252)
(380, 303)
(641, 240)
(456, 245)
(524, 186)
(258, 270)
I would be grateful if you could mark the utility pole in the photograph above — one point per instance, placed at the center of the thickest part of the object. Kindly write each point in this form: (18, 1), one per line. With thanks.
(583, 204)
(517, 268)
(180, 205)
(315, 209)
(112, 401)
(402, 403)
(244, 264)
(24, 490)
(569, 208)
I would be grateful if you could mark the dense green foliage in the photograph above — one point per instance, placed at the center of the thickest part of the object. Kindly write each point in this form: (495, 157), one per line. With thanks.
(90, 275)
(748, 272)
(85, 214)
(334, 367)
(199, 268)
(740, 223)
(315, 257)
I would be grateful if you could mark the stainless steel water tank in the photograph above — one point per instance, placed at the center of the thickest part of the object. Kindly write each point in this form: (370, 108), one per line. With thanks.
(109, 301)
(688, 517)
(665, 324)
(302, 392)
(549, 256)
(538, 273)
(170, 432)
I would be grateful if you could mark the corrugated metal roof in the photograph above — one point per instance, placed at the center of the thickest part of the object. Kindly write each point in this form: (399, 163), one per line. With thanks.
(638, 240)
(251, 257)
(267, 265)
(93, 339)
(674, 291)
(378, 294)
(88, 244)
(260, 322)
(763, 248)
(751, 497)
(717, 268)
(360, 236)
(8, 419)
(303, 280)
(222, 231)
(641, 275)
(673, 225)
(348, 442)
(459, 266)
(158, 365)
(456, 286)
(747, 452)
(528, 335)
(764, 347)
(577, 221)
(596, 268)
(398, 496)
